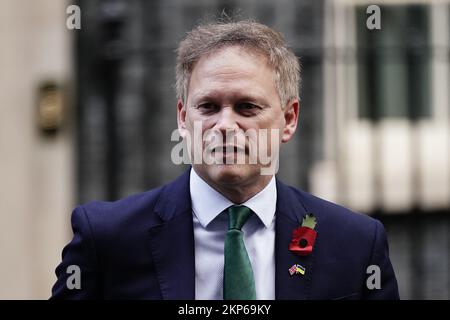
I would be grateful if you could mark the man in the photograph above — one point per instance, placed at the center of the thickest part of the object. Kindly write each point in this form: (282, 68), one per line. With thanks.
(228, 229)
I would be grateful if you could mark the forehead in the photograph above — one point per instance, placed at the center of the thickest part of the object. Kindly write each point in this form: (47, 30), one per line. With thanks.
(232, 68)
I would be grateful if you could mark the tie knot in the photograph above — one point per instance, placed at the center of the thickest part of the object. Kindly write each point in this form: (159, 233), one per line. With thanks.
(238, 216)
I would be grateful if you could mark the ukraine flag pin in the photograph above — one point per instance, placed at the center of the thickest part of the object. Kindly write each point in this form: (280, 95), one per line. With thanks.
(297, 269)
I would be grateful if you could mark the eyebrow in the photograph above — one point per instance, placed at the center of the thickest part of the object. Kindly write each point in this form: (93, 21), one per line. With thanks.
(213, 95)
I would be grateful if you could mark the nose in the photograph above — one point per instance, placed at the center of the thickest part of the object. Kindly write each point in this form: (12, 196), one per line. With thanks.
(226, 122)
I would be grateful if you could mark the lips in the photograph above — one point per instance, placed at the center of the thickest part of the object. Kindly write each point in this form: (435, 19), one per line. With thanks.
(227, 149)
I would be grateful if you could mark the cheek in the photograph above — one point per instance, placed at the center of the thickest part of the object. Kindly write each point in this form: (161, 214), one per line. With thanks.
(274, 130)
(200, 131)
(272, 121)
(189, 119)
(195, 118)
(194, 123)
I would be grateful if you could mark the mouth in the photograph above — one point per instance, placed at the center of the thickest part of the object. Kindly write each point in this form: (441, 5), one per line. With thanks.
(228, 150)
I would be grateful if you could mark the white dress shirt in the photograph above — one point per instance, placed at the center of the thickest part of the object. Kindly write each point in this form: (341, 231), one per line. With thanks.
(210, 228)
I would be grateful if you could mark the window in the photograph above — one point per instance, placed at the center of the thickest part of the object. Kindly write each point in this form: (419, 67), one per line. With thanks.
(394, 63)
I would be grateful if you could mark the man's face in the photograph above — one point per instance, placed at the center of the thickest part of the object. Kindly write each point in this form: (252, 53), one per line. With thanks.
(232, 91)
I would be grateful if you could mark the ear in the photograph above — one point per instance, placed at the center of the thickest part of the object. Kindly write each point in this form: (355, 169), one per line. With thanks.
(291, 112)
(181, 118)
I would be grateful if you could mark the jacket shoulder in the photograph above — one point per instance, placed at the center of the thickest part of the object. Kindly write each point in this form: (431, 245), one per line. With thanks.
(114, 212)
(139, 212)
(334, 213)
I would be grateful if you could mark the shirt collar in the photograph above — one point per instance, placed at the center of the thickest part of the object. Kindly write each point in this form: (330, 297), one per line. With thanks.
(207, 203)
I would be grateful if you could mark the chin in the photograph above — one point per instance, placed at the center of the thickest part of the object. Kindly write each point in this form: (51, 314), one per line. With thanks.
(231, 174)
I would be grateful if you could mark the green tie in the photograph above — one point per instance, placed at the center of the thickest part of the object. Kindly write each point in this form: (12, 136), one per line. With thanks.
(238, 281)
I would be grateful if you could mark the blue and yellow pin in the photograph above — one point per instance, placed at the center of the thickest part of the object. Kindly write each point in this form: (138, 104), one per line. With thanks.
(297, 269)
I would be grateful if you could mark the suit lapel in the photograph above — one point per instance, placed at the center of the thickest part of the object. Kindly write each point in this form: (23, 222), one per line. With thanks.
(289, 216)
(172, 241)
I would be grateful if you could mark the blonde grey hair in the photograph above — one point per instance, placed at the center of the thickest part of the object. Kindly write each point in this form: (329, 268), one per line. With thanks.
(207, 38)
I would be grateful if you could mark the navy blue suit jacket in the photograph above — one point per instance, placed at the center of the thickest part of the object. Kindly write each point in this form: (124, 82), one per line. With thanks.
(142, 247)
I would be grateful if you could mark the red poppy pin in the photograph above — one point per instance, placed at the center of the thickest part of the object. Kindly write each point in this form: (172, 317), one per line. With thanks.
(303, 237)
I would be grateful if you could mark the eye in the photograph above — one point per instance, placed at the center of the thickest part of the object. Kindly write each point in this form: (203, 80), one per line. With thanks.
(247, 107)
(207, 107)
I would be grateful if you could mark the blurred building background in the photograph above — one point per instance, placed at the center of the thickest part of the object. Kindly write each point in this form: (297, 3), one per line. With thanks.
(88, 114)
